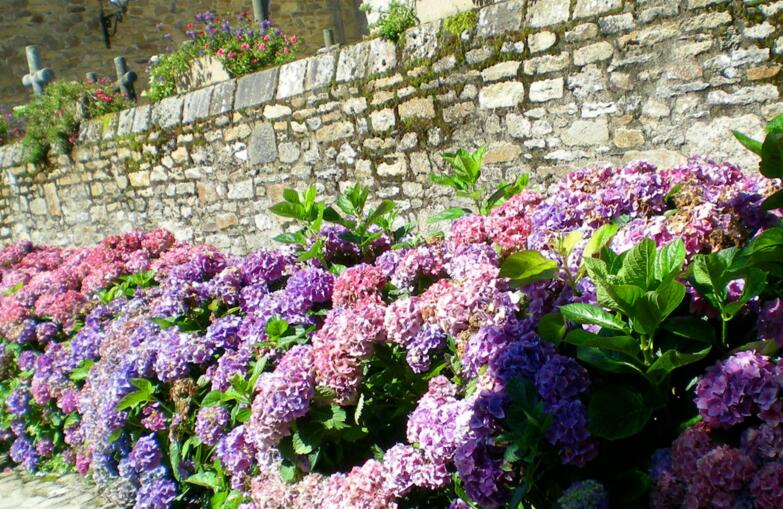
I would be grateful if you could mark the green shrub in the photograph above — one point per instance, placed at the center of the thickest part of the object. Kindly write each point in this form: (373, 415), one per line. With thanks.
(460, 22)
(400, 16)
(242, 48)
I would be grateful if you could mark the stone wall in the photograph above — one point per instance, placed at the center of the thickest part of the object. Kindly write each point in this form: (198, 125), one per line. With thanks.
(550, 86)
(71, 43)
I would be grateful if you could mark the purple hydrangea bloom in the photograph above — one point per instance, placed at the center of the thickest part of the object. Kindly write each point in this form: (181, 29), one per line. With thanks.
(23, 452)
(310, 286)
(26, 360)
(211, 423)
(587, 494)
(18, 402)
(429, 339)
(45, 332)
(568, 432)
(770, 321)
(523, 358)
(146, 454)
(223, 332)
(741, 386)
(235, 451)
(479, 464)
(156, 494)
(561, 378)
(336, 247)
(263, 267)
(767, 486)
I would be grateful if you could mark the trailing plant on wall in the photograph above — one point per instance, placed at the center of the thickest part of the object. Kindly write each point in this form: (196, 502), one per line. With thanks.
(242, 46)
(11, 127)
(392, 22)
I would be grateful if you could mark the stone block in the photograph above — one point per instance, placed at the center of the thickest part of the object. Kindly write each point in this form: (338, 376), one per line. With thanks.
(394, 167)
(257, 88)
(697, 4)
(617, 24)
(502, 95)
(125, 122)
(542, 13)
(141, 119)
(541, 41)
(583, 32)
(587, 8)
(458, 112)
(502, 152)
(547, 63)
(660, 158)
(627, 138)
(289, 152)
(419, 108)
(709, 137)
(196, 105)
(276, 112)
(222, 97)
(352, 64)
(167, 113)
(586, 133)
(593, 53)
(262, 146)
(52, 200)
(546, 90)
(355, 106)
(744, 95)
(335, 132)
(421, 42)
(501, 71)
(291, 79)
(382, 120)
(500, 18)
(320, 71)
(241, 190)
(383, 56)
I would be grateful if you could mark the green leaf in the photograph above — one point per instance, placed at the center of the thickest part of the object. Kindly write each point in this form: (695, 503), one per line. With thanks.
(552, 328)
(638, 267)
(357, 415)
(213, 398)
(448, 215)
(612, 362)
(288, 472)
(381, 210)
(276, 327)
(772, 156)
(444, 180)
(624, 344)
(243, 415)
(617, 412)
(143, 385)
(748, 142)
(206, 479)
(132, 400)
(624, 297)
(291, 238)
(300, 446)
(755, 283)
(774, 202)
(218, 500)
(174, 458)
(337, 419)
(654, 307)
(669, 260)
(82, 371)
(116, 434)
(570, 242)
(690, 327)
(775, 125)
(291, 196)
(591, 315)
(285, 209)
(528, 267)
(671, 360)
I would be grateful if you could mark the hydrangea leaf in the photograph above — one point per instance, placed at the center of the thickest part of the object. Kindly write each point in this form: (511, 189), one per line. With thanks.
(617, 412)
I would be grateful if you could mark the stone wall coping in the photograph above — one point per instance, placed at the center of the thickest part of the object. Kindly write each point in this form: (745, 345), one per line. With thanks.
(357, 62)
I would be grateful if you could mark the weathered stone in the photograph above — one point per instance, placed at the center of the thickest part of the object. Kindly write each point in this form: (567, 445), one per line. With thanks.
(139, 178)
(706, 21)
(276, 112)
(382, 120)
(52, 200)
(242, 190)
(760, 31)
(222, 97)
(587, 132)
(709, 137)
(335, 132)
(744, 95)
(771, 9)
(659, 158)
(383, 56)
(593, 53)
(546, 90)
(196, 105)
(167, 113)
(502, 95)
(738, 58)
(586, 8)
(478, 55)
(583, 32)
(547, 63)
(420, 108)
(655, 109)
(627, 138)
(502, 152)
(125, 123)
(541, 41)
(500, 18)
(292, 78)
(458, 112)
(396, 167)
(257, 88)
(518, 126)
(501, 71)
(667, 10)
(141, 119)
(320, 71)
(617, 24)
(262, 147)
(355, 106)
(289, 152)
(542, 13)
(697, 4)
(762, 73)
(421, 42)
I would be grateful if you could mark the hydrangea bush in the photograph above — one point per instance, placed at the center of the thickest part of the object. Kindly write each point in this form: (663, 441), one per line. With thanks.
(611, 343)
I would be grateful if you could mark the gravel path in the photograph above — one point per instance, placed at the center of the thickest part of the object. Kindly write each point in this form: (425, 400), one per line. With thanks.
(22, 490)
